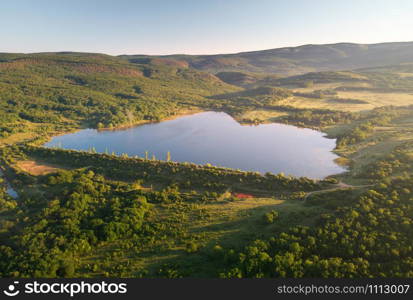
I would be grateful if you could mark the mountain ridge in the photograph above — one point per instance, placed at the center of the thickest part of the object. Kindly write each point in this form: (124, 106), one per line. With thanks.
(285, 61)
(296, 60)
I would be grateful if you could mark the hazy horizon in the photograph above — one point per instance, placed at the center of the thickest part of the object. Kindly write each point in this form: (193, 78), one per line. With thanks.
(196, 28)
(201, 54)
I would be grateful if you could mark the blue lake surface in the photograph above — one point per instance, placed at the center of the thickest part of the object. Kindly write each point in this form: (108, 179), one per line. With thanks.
(216, 138)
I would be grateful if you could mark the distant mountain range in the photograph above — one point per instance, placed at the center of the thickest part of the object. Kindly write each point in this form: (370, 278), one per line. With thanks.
(292, 60)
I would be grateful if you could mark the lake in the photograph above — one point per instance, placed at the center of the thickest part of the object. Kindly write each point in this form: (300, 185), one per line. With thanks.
(216, 138)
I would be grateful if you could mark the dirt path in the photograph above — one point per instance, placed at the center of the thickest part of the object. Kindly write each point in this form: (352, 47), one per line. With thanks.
(339, 186)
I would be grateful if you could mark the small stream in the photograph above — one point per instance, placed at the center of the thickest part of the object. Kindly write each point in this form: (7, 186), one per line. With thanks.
(9, 190)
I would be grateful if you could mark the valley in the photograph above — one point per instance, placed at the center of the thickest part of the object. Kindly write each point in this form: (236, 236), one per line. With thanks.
(93, 213)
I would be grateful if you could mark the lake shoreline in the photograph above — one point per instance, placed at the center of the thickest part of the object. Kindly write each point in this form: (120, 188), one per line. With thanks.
(221, 129)
(179, 114)
(49, 137)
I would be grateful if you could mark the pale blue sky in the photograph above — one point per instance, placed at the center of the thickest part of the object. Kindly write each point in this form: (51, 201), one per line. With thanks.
(197, 27)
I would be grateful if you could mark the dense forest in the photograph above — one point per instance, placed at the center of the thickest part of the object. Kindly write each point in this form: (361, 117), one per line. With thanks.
(88, 214)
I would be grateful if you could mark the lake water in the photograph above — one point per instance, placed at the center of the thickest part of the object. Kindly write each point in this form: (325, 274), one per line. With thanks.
(216, 138)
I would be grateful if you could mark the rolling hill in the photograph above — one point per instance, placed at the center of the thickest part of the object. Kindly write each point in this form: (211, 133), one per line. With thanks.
(88, 214)
(95, 90)
(294, 60)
